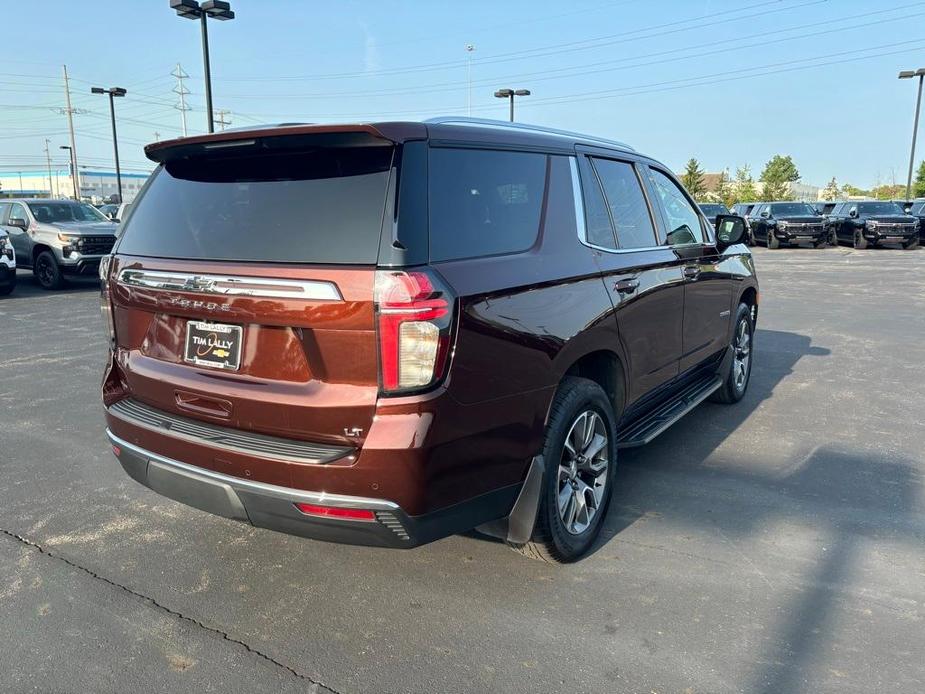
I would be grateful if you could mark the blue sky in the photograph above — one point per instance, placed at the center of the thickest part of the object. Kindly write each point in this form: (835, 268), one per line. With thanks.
(730, 83)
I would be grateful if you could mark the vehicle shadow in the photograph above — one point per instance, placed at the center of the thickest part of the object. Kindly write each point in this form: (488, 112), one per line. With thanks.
(27, 286)
(702, 431)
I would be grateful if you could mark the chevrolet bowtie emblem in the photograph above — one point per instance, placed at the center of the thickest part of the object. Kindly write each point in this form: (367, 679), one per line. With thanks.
(199, 283)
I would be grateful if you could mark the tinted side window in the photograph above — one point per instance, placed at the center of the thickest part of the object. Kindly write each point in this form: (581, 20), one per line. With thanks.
(4, 206)
(626, 203)
(599, 230)
(484, 202)
(683, 222)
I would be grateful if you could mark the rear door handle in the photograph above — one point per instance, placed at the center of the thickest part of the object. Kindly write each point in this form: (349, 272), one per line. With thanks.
(627, 286)
(691, 272)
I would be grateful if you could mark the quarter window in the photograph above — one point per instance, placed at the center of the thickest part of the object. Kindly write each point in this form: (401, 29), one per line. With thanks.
(626, 203)
(599, 228)
(484, 202)
(683, 221)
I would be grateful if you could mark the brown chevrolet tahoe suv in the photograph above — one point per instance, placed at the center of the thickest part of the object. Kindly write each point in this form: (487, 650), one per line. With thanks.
(388, 333)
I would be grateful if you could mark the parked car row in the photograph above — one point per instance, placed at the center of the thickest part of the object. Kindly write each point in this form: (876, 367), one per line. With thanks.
(862, 224)
(56, 238)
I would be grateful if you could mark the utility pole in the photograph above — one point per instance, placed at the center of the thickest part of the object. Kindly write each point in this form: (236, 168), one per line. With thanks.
(182, 91)
(51, 191)
(221, 113)
(70, 127)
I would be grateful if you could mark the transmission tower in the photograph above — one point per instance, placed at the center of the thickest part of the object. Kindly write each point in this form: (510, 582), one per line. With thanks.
(181, 91)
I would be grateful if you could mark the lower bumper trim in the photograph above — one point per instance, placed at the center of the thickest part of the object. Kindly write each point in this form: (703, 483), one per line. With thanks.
(273, 507)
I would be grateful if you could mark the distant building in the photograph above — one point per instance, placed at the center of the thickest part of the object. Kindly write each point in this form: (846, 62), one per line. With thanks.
(95, 185)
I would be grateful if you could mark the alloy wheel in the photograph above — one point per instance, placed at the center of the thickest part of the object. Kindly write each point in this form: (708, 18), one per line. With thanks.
(742, 345)
(583, 471)
(46, 272)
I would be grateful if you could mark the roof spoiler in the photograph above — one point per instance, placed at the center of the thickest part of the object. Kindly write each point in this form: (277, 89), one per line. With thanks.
(285, 136)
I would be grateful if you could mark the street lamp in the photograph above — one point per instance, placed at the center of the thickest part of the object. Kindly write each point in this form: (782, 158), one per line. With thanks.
(510, 94)
(113, 92)
(216, 9)
(904, 75)
(70, 154)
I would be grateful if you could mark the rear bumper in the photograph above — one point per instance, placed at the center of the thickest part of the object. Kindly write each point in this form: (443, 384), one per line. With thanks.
(273, 507)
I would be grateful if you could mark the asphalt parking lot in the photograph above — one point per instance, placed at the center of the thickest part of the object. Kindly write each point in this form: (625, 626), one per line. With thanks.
(771, 546)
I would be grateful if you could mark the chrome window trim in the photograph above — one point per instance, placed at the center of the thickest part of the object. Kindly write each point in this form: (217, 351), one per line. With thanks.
(286, 493)
(580, 218)
(313, 290)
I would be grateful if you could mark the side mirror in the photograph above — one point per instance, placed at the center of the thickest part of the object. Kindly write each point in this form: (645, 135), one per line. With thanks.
(18, 222)
(765, 214)
(853, 212)
(730, 230)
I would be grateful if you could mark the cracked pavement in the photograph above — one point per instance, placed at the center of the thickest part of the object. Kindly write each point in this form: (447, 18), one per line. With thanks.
(770, 546)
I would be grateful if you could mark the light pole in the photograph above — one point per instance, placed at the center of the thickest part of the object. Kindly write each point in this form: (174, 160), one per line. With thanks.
(510, 94)
(73, 168)
(469, 48)
(904, 75)
(216, 9)
(113, 92)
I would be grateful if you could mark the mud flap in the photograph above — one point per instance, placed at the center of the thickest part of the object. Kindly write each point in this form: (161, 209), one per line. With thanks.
(517, 528)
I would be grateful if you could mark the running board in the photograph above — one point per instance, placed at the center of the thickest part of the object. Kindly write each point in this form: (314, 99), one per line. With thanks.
(644, 430)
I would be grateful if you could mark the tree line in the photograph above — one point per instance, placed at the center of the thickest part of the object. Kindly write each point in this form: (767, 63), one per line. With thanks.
(776, 176)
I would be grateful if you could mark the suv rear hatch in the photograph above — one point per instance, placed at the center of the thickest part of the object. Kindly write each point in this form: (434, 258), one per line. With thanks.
(243, 284)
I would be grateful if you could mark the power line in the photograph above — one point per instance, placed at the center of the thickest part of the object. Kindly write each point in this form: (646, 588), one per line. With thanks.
(553, 49)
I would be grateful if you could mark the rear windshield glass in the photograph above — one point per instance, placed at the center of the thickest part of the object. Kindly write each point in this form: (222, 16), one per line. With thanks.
(321, 205)
(484, 202)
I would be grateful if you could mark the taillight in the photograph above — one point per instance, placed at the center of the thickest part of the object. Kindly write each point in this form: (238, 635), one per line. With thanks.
(414, 314)
(105, 300)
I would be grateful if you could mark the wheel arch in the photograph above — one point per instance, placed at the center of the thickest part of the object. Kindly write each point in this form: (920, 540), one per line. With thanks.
(604, 367)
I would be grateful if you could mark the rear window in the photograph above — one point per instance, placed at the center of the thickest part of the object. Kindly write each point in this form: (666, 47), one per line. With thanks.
(484, 202)
(319, 205)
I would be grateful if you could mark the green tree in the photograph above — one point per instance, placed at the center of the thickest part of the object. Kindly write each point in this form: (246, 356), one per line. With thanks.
(854, 191)
(725, 190)
(778, 174)
(745, 185)
(692, 178)
(889, 192)
(918, 185)
(831, 191)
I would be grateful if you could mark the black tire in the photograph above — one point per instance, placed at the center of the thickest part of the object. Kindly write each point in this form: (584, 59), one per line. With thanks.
(10, 287)
(833, 239)
(47, 272)
(733, 388)
(552, 541)
(819, 244)
(910, 245)
(859, 241)
(773, 241)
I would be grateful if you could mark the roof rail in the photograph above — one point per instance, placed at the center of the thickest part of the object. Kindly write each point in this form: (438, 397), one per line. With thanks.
(507, 125)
